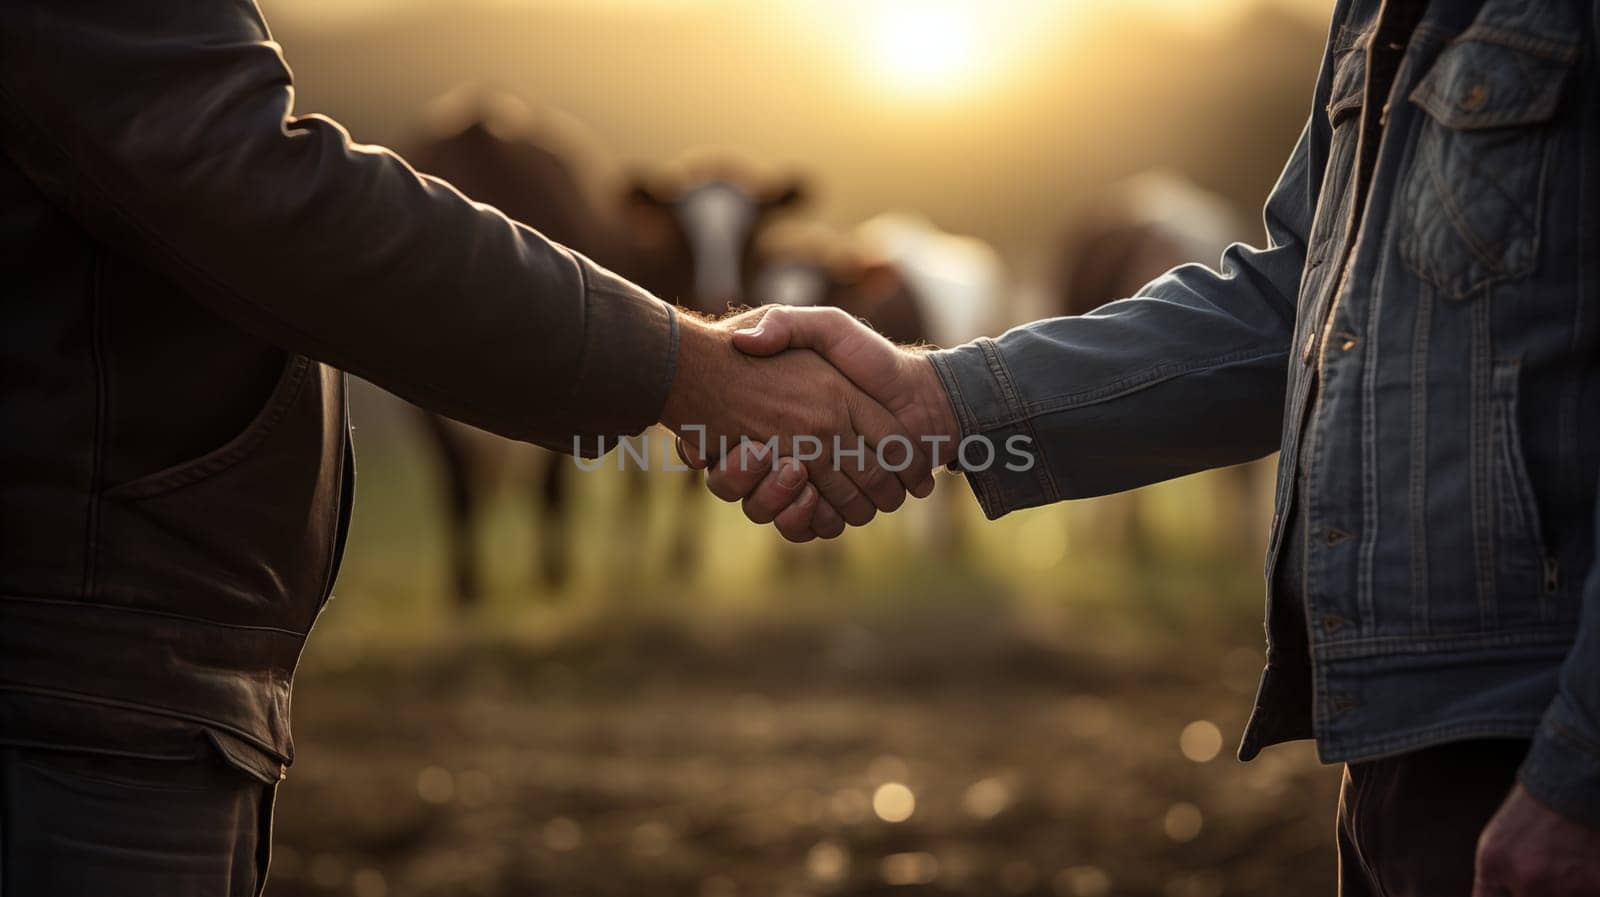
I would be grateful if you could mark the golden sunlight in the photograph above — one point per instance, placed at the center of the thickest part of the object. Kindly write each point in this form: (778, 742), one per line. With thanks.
(927, 46)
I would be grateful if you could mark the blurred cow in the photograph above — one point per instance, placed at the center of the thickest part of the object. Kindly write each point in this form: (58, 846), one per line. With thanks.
(1132, 233)
(912, 281)
(695, 226)
(538, 168)
(685, 232)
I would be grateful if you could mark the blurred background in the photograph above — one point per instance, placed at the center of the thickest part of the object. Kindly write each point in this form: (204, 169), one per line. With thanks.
(540, 681)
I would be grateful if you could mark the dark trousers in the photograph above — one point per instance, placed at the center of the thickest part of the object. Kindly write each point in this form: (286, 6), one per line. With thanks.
(92, 825)
(1409, 825)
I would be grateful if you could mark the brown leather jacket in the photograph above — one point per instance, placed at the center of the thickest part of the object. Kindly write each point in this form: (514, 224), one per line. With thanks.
(186, 268)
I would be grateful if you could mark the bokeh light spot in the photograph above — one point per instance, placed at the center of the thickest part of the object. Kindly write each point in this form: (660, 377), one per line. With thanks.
(1082, 881)
(1200, 741)
(827, 861)
(909, 868)
(1183, 822)
(986, 798)
(894, 802)
(435, 785)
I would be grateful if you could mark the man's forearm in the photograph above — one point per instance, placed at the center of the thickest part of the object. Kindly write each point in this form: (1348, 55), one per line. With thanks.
(197, 167)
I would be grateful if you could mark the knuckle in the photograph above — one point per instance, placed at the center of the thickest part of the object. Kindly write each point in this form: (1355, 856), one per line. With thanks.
(893, 499)
(720, 485)
(757, 511)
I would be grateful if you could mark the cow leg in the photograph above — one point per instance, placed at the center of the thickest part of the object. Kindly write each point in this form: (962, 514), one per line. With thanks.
(460, 506)
(631, 538)
(684, 555)
(553, 502)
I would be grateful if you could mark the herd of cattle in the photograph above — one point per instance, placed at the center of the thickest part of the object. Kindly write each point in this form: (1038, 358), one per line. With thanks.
(714, 232)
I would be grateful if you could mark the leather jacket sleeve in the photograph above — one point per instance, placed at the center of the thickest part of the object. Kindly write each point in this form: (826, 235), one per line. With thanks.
(166, 129)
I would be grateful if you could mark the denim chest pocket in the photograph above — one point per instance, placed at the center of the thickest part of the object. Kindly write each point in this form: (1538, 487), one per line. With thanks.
(1472, 198)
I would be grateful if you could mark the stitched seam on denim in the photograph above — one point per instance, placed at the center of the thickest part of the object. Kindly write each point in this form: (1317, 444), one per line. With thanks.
(97, 606)
(1311, 559)
(157, 709)
(1347, 38)
(1454, 211)
(966, 421)
(1481, 455)
(1326, 216)
(1335, 748)
(1552, 48)
(1371, 361)
(1398, 645)
(1353, 87)
(1573, 738)
(1513, 198)
(1541, 107)
(1011, 401)
(1010, 398)
(984, 489)
(1523, 499)
(1042, 476)
(1152, 376)
(1418, 472)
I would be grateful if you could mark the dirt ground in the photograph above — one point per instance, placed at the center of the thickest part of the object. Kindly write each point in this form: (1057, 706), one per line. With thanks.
(956, 752)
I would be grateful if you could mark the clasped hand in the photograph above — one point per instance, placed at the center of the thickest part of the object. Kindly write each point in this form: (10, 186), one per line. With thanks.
(824, 421)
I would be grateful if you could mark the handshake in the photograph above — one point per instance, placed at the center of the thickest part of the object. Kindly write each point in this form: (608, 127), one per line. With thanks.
(808, 417)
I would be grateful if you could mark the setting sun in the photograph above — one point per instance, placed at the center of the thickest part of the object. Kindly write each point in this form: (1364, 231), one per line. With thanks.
(927, 46)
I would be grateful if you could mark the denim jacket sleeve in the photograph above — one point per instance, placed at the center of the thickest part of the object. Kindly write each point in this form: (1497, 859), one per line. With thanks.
(166, 129)
(1562, 768)
(1187, 375)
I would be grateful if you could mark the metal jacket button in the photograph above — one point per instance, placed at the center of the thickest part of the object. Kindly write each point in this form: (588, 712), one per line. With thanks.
(1475, 96)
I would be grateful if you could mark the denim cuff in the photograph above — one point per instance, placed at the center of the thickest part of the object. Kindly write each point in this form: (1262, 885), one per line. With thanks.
(1562, 769)
(987, 405)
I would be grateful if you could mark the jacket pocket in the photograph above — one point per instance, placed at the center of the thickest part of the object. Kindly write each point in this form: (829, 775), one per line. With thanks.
(296, 372)
(245, 535)
(1472, 197)
(1522, 560)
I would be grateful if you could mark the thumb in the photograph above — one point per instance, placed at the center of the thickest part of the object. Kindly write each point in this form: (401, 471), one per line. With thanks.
(858, 351)
(765, 334)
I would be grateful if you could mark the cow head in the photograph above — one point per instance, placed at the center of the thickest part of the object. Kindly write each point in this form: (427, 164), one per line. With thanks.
(702, 227)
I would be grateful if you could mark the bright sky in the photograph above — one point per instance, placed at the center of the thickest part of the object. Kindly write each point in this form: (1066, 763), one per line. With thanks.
(991, 117)
(919, 48)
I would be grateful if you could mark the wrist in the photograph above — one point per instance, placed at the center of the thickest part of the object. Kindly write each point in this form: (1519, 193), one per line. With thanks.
(930, 412)
(699, 346)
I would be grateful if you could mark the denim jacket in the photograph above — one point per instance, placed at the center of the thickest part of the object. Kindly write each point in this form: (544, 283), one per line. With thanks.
(1419, 339)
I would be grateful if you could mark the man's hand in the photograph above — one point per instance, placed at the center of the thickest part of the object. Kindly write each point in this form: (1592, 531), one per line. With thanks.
(1530, 850)
(795, 395)
(902, 381)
